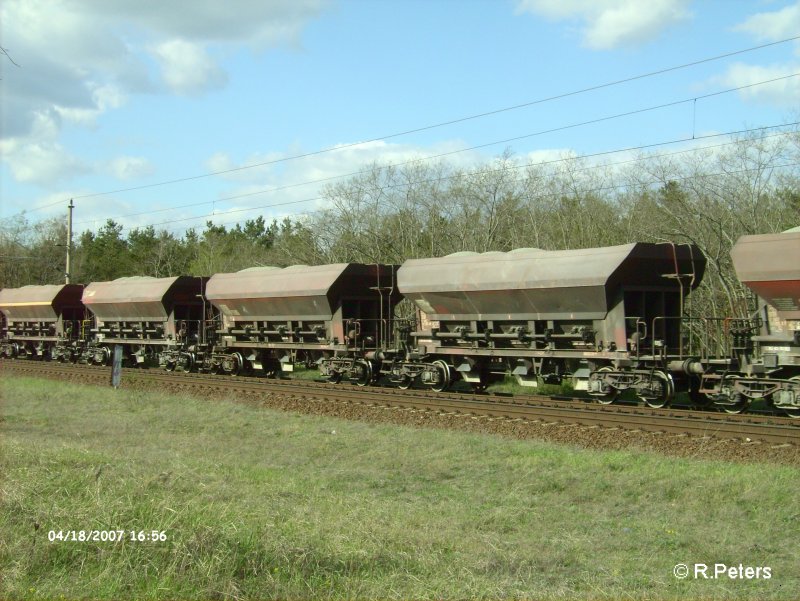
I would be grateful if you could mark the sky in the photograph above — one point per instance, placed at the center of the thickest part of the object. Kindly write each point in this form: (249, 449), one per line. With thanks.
(104, 102)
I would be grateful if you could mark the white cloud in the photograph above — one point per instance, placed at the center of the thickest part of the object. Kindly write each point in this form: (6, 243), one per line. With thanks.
(41, 162)
(295, 186)
(613, 23)
(783, 93)
(38, 157)
(342, 160)
(770, 26)
(78, 60)
(774, 25)
(285, 188)
(219, 161)
(128, 168)
(187, 69)
(243, 173)
(547, 155)
(54, 205)
(255, 22)
(104, 97)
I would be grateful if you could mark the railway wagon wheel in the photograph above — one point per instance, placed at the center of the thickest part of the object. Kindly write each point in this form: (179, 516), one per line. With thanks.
(445, 377)
(405, 383)
(793, 412)
(102, 356)
(740, 404)
(610, 394)
(365, 373)
(661, 394)
(233, 364)
(186, 361)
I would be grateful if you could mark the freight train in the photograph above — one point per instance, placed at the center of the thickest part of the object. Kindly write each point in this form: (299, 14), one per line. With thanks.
(608, 321)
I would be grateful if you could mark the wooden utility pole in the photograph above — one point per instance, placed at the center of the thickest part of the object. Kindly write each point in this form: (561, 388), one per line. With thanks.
(69, 241)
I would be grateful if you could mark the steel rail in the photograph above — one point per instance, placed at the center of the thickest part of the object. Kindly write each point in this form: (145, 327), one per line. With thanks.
(768, 429)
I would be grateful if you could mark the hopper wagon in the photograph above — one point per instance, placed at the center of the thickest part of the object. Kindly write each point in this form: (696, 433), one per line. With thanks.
(765, 358)
(271, 318)
(607, 318)
(42, 322)
(149, 317)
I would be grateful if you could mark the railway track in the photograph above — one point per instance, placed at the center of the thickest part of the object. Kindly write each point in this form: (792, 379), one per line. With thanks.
(772, 429)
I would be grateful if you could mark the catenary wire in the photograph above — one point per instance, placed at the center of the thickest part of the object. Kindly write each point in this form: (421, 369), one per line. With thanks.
(528, 196)
(501, 169)
(438, 125)
(507, 140)
(488, 171)
(404, 184)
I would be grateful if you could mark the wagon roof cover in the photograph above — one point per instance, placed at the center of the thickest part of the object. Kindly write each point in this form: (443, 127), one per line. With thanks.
(297, 280)
(523, 269)
(128, 290)
(768, 257)
(30, 295)
(39, 302)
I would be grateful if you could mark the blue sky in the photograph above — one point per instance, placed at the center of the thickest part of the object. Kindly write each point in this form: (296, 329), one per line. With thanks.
(126, 93)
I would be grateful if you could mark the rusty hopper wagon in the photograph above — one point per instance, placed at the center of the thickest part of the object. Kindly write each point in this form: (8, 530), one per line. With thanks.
(41, 321)
(330, 315)
(147, 316)
(766, 364)
(607, 317)
(607, 320)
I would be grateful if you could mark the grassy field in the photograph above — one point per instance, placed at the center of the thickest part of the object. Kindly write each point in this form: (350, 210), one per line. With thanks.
(261, 504)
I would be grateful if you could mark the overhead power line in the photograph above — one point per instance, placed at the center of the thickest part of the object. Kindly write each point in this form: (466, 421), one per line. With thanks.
(481, 172)
(511, 168)
(503, 141)
(436, 125)
(686, 178)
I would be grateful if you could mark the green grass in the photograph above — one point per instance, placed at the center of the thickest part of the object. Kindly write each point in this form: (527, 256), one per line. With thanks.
(302, 373)
(509, 385)
(263, 504)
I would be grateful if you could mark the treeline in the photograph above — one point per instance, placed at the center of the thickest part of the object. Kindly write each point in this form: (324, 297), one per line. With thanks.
(35, 253)
(388, 214)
